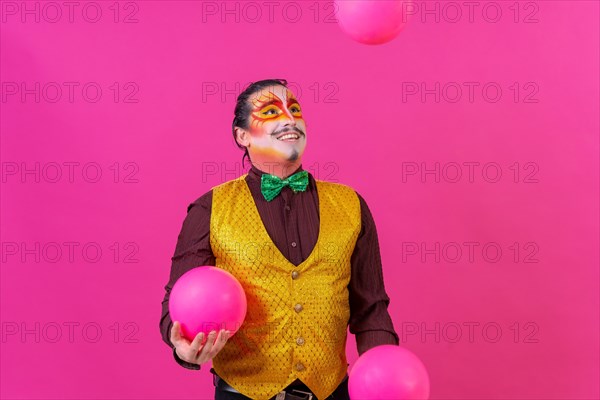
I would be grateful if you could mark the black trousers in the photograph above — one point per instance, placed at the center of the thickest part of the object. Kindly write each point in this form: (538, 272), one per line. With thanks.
(340, 393)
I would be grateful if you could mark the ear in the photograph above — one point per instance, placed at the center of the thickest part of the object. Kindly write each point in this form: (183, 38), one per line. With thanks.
(242, 136)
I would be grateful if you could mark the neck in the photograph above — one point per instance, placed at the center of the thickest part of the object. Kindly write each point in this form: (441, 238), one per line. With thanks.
(279, 169)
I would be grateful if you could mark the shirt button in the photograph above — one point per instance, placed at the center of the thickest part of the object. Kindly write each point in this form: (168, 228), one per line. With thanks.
(288, 208)
(299, 367)
(295, 274)
(294, 244)
(298, 307)
(300, 341)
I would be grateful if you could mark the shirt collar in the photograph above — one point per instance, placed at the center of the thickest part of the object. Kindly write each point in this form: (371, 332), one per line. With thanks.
(256, 174)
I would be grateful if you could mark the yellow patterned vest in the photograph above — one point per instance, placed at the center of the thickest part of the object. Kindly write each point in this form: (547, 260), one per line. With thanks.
(297, 318)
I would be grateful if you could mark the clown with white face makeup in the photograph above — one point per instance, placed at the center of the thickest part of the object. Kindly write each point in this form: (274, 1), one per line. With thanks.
(274, 132)
(304, 250)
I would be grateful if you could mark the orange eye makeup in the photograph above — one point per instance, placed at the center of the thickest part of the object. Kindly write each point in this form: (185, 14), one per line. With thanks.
(270, 107)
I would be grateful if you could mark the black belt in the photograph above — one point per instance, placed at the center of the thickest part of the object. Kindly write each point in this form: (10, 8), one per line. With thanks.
(289, 393)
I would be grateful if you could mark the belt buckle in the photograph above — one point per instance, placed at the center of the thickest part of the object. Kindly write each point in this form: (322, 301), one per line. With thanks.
(310, 395)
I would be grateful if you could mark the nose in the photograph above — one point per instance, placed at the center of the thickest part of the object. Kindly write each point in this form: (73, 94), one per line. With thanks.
(290, 124)
(290, 119)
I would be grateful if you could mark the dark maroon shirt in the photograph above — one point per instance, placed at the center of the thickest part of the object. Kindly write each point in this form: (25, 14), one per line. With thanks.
(292, 221)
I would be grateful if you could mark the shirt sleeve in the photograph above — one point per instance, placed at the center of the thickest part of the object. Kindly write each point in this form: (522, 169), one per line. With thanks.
(192, 250)
(369, 321)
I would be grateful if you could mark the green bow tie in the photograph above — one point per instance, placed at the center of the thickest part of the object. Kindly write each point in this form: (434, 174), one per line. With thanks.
(271, 185)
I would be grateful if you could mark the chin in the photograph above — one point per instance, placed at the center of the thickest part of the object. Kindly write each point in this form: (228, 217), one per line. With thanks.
(295, 155)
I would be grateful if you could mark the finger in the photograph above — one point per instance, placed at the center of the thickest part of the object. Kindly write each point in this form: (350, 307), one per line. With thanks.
(221, 341)
(175, 333)
(196, 343)
(209, 342)
(223, 337)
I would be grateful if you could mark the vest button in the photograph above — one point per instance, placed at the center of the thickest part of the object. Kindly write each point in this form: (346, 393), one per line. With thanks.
(298, 307)
(300, 341)
(299, 367)
(294, 244)
(295, 274)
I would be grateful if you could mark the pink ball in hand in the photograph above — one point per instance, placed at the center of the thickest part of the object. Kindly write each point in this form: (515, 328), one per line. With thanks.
(388, 372)
(207, 298)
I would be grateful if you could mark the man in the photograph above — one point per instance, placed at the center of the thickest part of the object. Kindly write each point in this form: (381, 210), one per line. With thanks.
(305, 251)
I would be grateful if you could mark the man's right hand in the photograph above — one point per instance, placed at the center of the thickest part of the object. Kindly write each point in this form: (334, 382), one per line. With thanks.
(199, 350)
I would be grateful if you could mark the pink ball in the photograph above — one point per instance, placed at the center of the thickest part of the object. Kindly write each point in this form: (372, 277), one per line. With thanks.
(372, 22)
(207, 298)
(388, 372)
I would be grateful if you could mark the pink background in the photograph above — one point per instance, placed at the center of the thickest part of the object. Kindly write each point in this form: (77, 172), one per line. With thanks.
(360, 132)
